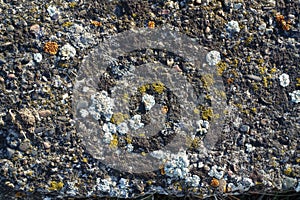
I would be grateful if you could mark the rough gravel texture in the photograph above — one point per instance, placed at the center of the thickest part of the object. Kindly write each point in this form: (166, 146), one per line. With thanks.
(43, 44)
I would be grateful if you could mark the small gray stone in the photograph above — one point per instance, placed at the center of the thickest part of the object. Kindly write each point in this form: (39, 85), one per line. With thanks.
(9, 152)
(25, 145)
(289, 183)
(245, 128)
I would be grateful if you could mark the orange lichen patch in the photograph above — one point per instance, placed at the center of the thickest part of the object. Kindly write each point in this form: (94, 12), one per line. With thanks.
(230, 81)
(285, 25)
(51, 48)
(96, 23)
(151, 24)
(215, 183)
(162, 169)
(20, 195)
(279, 17)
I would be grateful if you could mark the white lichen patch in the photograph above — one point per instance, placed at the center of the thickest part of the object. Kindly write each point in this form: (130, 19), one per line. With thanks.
(213, 58)
(284, 79)
(102, 105)
(67, 52)
(295, 95)
(233, 27)
(216, 172)
(202, 127)
(122, 128)
(148, 101)
(135, 122)
(37, 57)
(177, 166)
(193, 180)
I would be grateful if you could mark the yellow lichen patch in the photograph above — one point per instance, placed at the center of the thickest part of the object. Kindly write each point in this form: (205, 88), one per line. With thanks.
(265, 81)
(254, 110)
(220, 93)
(128, 139)
(96, 23)
(85, 160)
(298, 82)
(114, 142)
(208, 97)
(248, 59)
(235, 62)
(149, 182)
(239, 106)
(178, 186)
(288, 171)
(72, 4)
(67, 24)
(260, 61)
(195, 143)
(143, 88)
(51, 48)
(234, 72)
(126, 97)
(54, 186)
(143, 153)
(249, 40)
(273, 70)
(262, 69)
(196, 111)
(158, 87)
(221, 67)
(208, 80)
(118, 118)
(207, 113)
(142, 135)
(255, 86)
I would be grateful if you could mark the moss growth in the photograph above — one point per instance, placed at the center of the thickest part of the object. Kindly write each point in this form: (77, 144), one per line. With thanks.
(55, 186)
(118, 118)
